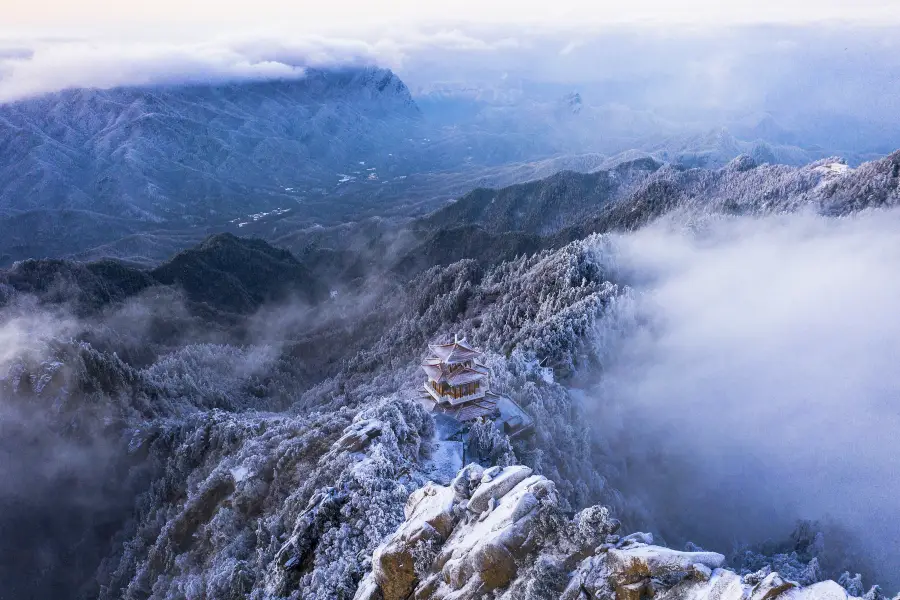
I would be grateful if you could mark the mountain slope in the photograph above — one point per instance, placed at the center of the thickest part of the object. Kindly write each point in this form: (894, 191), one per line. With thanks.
(569, 206)
(183, 153)
(274, 465)
(238, 275)
(223, 274)
(48, 232)
(543, 206)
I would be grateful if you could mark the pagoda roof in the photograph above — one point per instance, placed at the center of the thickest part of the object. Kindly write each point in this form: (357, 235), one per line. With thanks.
(456, 352)
(467, 375)
(439, 372)
(434, 372)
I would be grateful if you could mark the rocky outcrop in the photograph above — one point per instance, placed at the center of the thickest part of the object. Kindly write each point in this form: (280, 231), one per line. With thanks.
(634, 569)
(499, 533)
(473, 536)
(358, 435)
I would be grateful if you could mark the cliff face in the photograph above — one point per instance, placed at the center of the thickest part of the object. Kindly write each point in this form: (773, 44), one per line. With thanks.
(500, 533)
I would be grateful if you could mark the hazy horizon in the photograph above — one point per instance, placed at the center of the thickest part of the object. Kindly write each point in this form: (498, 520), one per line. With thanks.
(814, 79)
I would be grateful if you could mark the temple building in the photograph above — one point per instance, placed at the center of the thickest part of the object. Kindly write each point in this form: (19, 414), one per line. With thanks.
(458, 386)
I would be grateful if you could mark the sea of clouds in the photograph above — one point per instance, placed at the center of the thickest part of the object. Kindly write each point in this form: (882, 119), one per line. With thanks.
(761, 384)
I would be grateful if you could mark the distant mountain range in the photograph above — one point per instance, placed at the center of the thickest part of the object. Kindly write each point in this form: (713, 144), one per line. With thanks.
(490, 225)
(140, 173)
(576, 122)
(229, 275)
(189, 153)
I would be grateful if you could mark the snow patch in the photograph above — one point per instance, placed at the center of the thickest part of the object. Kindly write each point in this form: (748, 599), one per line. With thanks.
(446, 461)
(835, 168)
(240, 473)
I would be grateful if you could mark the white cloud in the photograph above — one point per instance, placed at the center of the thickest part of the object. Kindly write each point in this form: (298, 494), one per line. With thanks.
(53, 66)
(762, 384)
(685, 75)
(33, 67)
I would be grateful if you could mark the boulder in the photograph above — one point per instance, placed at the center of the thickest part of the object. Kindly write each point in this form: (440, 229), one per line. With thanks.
(824, 590)
(480, 525)
(432, 504)
(496, 485)
(633, 570)
(368, 589)
(466, 481)
(638, 562)
(721, 585)
(487, 549)
(771, 586)
(358, 435)
(590, 581)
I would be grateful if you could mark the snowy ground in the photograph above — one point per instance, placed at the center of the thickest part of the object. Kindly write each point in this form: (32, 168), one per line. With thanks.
(835, 168)
(447, 454)
(446, 461)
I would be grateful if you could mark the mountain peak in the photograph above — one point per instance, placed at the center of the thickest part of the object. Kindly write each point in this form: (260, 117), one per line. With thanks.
(134, 152)
(237, 274)
(742, 162)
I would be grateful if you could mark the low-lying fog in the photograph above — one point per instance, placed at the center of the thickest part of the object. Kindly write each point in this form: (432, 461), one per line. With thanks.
(761, 385)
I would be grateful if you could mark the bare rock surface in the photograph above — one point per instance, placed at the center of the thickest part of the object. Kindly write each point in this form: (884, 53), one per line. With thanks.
(472, 537)
(637, 571)
(500, 533)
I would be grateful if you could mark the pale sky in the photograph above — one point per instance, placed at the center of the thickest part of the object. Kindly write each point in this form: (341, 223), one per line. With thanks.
(306, 15)
(685, 46)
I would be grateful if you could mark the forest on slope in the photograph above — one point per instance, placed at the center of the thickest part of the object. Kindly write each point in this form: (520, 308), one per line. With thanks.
(141, 172)
(195, 415)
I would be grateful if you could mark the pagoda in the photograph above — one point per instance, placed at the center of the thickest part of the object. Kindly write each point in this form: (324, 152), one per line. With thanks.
(457, 385)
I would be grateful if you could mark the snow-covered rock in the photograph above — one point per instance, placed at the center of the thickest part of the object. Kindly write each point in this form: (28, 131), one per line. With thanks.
(358, 435)
(496, 485)
(466, 539)
(500, 533)
(481, 555)
(634, 563)
(636, 571)
(430, 518)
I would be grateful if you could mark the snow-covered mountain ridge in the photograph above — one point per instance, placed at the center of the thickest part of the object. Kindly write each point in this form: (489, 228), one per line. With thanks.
(236, 496)
(241, 422)
(139, 171)
(639, 190)
(194, 151)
